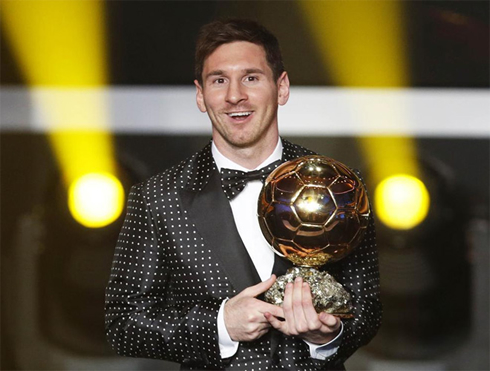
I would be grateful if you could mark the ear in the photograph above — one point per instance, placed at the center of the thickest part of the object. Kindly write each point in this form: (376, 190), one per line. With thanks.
(200, 97)
(283, 89)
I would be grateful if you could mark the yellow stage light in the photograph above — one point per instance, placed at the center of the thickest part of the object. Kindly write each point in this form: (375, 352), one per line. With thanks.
(96, 199)
(363, 44)
(401, 201)
(60, 47)
(57, 43)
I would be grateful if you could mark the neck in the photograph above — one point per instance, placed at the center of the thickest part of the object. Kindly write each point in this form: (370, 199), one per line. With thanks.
(251, 156)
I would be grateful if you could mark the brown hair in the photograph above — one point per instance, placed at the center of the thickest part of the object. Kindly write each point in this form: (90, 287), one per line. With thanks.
(217, 33)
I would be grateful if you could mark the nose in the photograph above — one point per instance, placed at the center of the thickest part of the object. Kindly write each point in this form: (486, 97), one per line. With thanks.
(235, 93)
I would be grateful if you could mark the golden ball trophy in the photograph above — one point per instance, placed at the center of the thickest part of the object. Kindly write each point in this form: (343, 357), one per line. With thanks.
(313, 211)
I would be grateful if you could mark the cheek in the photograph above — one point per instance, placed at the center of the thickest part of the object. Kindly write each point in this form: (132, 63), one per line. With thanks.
(269, 99)
(212, 102)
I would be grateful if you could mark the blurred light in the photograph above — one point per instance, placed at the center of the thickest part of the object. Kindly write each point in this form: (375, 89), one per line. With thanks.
(96, 199)
(62, 45)
(57, 42)
(363, 44)
(401, 201)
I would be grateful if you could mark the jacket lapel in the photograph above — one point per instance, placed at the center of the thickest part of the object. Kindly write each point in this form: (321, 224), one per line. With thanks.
(210, 211)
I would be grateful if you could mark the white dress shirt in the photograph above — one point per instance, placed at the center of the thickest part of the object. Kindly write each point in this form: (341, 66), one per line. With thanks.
(244, 208)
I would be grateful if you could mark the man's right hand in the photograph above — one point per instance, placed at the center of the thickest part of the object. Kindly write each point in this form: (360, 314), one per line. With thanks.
(244, 313)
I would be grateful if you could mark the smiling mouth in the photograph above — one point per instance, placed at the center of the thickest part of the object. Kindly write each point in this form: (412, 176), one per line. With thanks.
(239, 114)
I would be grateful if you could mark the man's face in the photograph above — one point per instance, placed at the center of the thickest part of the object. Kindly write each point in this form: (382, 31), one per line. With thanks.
(240, 95)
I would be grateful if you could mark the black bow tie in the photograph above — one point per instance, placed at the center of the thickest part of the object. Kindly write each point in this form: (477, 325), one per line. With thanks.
(234, 181)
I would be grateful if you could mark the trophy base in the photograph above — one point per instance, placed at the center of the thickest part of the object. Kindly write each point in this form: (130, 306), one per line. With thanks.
(328, 295)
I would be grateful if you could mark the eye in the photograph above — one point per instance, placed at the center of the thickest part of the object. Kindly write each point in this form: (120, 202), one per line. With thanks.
(251, 78)
(219, 80)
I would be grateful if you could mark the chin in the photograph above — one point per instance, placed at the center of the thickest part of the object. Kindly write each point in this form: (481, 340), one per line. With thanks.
(244, 142)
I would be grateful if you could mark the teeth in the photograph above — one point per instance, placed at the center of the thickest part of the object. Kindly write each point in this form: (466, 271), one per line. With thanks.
(239, 114)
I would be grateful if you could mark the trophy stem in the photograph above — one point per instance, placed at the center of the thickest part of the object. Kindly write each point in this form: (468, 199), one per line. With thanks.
(328, 295)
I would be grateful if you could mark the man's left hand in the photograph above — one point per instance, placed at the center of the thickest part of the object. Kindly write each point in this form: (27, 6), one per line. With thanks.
(301, 318)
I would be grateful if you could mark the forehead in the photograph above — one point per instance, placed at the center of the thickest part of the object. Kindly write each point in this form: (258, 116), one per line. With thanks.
(235, 55)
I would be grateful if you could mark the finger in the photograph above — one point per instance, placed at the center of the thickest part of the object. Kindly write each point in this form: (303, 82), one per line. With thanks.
(276, 323)
(259, 288)
(275, 310)
(299, 315)
(287, 303)
(287, 306)
(260, 307)
(329, 320)
(311, 315)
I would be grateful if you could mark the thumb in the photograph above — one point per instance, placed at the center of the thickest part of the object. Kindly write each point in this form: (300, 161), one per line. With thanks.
(259, 288)
(329, 320)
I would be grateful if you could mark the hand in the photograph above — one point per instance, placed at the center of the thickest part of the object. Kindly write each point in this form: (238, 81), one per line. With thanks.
(301, 318)
(244, 314)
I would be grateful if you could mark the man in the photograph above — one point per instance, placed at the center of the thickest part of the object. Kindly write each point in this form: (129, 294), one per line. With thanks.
(191, 262)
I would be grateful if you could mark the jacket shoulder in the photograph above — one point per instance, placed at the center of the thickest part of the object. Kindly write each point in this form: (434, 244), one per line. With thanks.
(189, 173)
(292, 150)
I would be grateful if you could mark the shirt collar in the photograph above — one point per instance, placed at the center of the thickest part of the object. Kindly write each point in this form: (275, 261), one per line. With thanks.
(222, 161)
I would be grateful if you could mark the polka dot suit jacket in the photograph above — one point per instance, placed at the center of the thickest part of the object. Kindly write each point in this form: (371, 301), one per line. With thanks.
(179, 255)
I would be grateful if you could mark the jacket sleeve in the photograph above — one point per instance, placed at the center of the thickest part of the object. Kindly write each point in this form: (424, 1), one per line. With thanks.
(142, 318)
(359, 274)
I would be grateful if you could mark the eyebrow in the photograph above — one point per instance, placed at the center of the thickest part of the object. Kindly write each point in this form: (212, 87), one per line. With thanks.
(215, 73)
(254, 70)
(247, 71)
